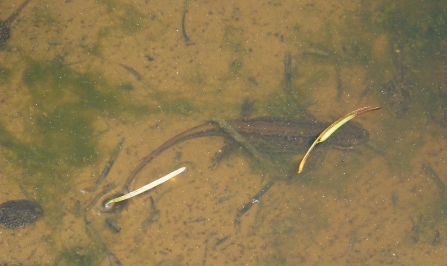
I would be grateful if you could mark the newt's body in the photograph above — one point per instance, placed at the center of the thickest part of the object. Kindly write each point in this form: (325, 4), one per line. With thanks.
(266, 134)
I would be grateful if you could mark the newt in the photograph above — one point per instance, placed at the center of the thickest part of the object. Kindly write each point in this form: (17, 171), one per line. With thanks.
(266, 134)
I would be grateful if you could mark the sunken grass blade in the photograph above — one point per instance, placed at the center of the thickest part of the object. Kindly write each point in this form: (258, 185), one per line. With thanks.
(332, 128)
(146, 187)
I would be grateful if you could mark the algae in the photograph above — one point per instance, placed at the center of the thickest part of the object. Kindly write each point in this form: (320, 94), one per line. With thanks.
(413, 28)
(5, 74)
(78, 256)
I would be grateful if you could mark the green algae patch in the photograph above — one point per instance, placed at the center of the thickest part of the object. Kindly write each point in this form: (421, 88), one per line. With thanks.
(5, 74)
(178, 106)
(69, 135)
(63, 108)
(60, 141)
(127, 17)
(52, 85)
(30, 157)
(132, 21)
(413, 29)
(79, 256)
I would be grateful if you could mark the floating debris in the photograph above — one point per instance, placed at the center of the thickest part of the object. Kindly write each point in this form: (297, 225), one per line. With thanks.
(248, 205)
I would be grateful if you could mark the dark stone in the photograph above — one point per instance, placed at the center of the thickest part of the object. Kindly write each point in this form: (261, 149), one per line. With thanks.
(19, 213)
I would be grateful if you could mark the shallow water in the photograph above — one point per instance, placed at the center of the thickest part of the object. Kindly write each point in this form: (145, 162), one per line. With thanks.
(77, 77)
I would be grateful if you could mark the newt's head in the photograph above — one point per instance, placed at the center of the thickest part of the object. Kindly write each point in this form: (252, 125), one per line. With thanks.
(349, 135)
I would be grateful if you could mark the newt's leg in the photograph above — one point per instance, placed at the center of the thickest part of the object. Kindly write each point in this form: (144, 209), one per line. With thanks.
(223, 153)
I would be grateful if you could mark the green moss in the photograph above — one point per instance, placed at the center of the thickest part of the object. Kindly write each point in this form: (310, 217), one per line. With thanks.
(420, 32)
(5, 75)
(78, 256)
(128, 86)
(195, 77)
(428, 221)
(30, 157)
(111, 5)
(64, 106)
(233, 39)
(133, 20)
(52, 85)
(358, 51)
(42, 84)
(44, 17)
(177, 106)
(104, 32)
(235, 66)
(69, 135)
(97, 47)
(289, 100)
(272, 259)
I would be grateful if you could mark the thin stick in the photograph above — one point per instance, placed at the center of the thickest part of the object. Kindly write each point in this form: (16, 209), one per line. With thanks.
(147, 187)
(332, 128)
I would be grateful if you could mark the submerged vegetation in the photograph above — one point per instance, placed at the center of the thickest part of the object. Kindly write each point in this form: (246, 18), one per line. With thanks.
(420, 30)
(5, 74)
(78, 256)
(64, 107)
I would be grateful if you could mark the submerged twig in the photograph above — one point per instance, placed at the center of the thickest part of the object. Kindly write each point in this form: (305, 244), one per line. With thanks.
(248, 205)
(109, 164)
(185, 35)
(138, 76)
(432, 174)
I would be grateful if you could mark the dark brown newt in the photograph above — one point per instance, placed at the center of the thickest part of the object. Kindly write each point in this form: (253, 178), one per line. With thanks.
(5, 32)
(267, 134)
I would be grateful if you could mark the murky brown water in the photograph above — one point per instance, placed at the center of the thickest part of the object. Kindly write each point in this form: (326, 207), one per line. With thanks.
(77, 77)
